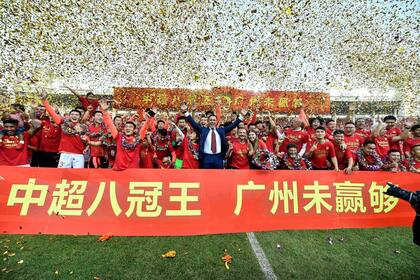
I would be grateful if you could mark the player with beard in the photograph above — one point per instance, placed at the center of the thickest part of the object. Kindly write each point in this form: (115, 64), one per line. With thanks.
(12, 151)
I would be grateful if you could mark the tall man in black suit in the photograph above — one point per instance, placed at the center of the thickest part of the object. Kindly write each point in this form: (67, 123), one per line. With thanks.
(213, 143)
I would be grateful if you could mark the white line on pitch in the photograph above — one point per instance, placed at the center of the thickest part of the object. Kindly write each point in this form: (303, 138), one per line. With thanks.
(262, 259)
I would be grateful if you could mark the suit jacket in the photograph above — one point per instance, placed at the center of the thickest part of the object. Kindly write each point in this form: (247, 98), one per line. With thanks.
(204, 132)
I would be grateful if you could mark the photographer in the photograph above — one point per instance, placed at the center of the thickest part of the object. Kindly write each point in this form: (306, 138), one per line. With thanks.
(414, 200)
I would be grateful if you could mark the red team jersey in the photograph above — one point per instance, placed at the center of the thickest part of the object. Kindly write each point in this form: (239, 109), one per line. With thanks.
(298, 137)
(71, 143)
(96, 151)
(322, 153)
(409, 143)
(163, 148)
(34, 142)
(311, 134)
(146, 156)
(85, 103)
(395, 131)
(364, 133)
(50, 136)
(382, 146)
(179, 149)
(11, 153)
(239, 158)
(412, 163)
(353, 143)
(126, 158)
(271, 139)
(189, 162)
(343, 156)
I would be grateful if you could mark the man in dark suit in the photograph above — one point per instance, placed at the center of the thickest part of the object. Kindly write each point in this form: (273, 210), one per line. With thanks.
(213, 143)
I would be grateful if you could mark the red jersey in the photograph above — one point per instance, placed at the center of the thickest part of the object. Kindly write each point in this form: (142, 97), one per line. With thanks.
(298, 137)
(329, 134)
(409, 143)
(353, 143)
(321, 154)
(179, 148)
(163, 148)
(382, 146)
(271, 139)
(71, 143)
(34, 142)
(261, 145)
(363, 133)
(239, 158)
(13, 154)
(311, 134)
(190, 155)
(85, 103)
(328, 131)
(231, 138)
(50, 136)
(95, 132)
(395, 131)
(126, 158)
(343, 156)
(146, 156)
(112, 151)
(412, 163)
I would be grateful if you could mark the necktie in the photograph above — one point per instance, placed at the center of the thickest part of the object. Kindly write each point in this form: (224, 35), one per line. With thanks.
(213, 141)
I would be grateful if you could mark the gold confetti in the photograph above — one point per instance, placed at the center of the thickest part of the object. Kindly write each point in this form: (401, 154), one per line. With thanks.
(169, 254)
(307, 45)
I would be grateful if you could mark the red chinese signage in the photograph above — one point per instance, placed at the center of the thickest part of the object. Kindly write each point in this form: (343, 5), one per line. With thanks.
(193, 202)
(235, 99)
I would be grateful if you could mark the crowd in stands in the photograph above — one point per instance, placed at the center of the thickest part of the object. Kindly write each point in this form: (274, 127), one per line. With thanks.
(89, 136)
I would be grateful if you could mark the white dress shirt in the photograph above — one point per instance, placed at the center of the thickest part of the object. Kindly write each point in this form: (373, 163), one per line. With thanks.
(207, 143)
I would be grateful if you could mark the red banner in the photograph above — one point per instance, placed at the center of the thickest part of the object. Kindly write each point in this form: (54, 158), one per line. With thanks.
(193, 202)
(234, 99)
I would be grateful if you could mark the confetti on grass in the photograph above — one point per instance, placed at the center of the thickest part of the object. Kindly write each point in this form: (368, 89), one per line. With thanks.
(169, 254)
(103, 238)
(227, 259)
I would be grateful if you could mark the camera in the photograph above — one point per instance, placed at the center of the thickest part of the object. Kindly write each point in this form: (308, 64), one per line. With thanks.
(411, 197)
(150, 112)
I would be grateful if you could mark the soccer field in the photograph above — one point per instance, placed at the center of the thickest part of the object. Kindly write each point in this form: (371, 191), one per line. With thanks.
(386, 253)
